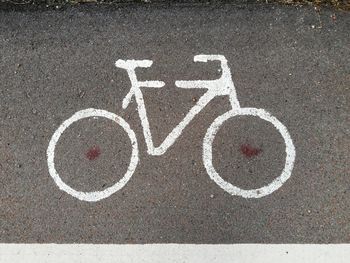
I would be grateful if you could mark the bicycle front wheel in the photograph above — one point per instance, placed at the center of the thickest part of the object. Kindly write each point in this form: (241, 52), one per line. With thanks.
(228, 187)
(97, 195)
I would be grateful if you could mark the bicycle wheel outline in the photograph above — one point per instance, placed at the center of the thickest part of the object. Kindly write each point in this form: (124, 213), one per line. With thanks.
(93, 196)
(228, 187)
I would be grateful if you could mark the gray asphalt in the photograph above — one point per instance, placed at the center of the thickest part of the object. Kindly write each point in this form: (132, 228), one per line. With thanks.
(292, 61)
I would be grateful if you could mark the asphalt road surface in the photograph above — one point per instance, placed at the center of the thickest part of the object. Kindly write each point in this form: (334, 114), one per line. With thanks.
(294, 62)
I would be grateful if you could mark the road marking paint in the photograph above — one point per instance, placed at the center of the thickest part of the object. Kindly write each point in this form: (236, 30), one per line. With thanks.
(223, 86)
(97, 195)
(174, 253)
(220, 87)
(228, 187)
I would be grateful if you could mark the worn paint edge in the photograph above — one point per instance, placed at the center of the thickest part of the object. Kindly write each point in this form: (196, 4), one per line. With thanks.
(163, 253)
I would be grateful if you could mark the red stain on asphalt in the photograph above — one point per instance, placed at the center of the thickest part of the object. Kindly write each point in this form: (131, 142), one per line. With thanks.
(250, 151)
(93, 153)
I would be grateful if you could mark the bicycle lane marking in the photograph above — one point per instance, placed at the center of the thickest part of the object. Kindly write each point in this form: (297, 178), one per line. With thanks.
(219, 87)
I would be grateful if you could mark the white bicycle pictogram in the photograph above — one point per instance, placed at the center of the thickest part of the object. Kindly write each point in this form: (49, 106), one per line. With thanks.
(219, 87)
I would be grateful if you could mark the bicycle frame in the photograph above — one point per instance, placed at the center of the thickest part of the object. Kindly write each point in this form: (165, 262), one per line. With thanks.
(218, 87)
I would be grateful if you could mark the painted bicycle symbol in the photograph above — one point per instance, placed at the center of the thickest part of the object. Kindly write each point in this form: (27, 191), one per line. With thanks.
(220, 87)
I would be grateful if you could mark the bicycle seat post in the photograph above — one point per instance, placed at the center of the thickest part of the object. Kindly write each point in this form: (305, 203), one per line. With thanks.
(130, 66)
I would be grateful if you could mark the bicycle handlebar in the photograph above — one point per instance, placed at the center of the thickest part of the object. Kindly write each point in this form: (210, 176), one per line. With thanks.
(200, 84)
(206, 58)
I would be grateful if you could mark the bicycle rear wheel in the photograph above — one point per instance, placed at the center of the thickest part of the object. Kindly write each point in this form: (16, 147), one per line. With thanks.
(95, 195)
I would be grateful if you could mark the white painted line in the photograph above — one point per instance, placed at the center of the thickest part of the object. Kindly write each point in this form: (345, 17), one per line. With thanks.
(174, 253)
